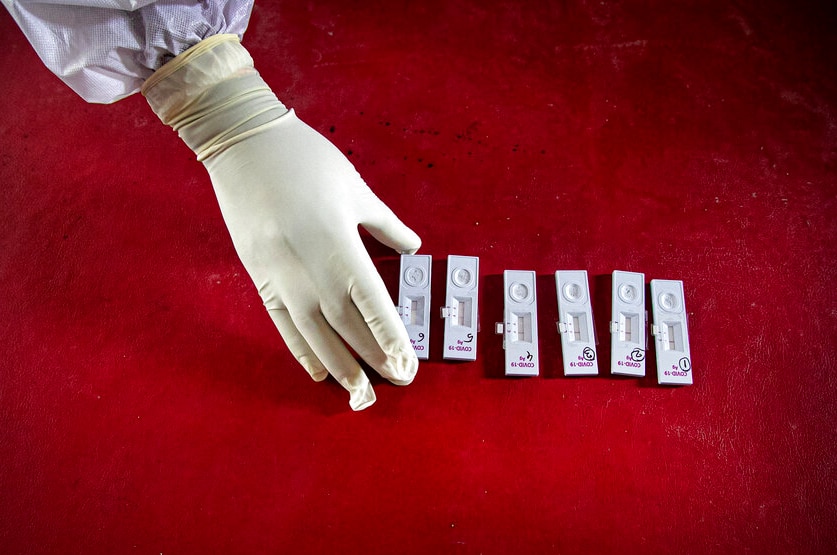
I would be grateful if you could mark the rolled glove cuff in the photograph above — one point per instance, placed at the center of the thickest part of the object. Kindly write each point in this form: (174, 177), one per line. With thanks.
(212, 95)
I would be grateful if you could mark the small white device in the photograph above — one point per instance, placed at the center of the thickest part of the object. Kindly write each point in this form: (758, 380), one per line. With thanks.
(414, 300)
(460, 311)
(627, 324)
(578, 340)
(520, 325)
(674, 363)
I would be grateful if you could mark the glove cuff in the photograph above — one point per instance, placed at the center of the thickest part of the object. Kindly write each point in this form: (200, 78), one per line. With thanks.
(212, 95)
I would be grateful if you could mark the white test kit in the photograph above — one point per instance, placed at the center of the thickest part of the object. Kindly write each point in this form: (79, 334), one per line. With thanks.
(460, 311)
(520, 324)
(575, 324)
(414, 300)
(627, 324)
(674, 364)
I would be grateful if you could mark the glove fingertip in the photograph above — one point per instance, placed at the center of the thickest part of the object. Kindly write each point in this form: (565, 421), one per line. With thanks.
(401, 367)
(412, 246)
(362, 397)
(317, 374)
(389, 230)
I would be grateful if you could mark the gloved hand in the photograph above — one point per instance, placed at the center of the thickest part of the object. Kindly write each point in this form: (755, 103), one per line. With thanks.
(292, 203)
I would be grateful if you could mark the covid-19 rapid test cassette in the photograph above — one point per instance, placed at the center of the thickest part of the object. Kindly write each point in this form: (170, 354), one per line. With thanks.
(461, 311)
(575, 324)
(414, 300)
(671, 333)
(520, 325)
(627, 324)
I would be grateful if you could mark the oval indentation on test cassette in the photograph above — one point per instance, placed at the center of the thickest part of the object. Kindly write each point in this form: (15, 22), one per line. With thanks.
(669, 302)
(519, 292)
(414, 276)
(628, 293)
(573, 292)
(462, 277)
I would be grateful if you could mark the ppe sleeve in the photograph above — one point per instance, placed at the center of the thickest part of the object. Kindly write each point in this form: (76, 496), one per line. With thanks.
(105, 49)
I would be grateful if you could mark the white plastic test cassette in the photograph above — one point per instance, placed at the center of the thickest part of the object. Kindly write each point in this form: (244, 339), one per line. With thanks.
(575, 324)
(674, 364)
(520, 325)
(627, 324)
(460, 310)
(414, 300)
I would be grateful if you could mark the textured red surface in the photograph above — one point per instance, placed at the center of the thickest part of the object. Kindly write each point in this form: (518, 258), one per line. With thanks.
(147, 404)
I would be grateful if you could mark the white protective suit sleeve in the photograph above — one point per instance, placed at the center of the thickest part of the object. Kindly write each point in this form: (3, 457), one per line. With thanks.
(105, 49)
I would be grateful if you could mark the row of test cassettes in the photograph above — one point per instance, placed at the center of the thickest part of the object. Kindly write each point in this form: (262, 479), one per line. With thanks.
(575, 325)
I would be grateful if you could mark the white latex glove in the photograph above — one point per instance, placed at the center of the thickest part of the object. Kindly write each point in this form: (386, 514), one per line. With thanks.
(292, 203)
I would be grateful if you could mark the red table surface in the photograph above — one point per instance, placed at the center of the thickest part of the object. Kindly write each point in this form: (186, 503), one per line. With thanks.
(148, 405)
